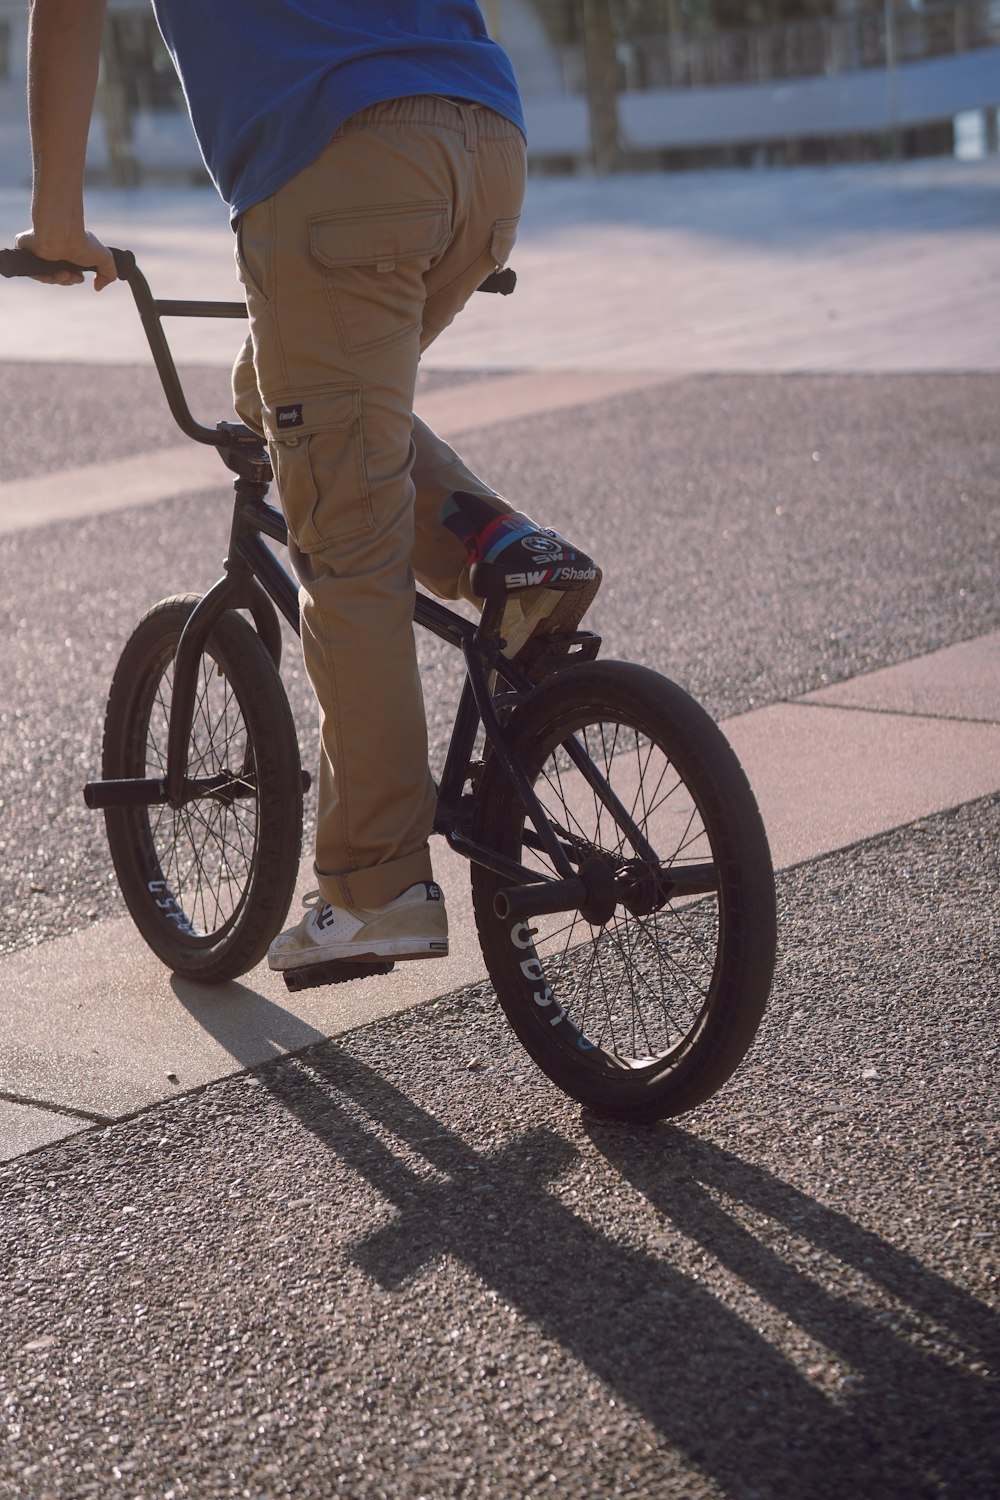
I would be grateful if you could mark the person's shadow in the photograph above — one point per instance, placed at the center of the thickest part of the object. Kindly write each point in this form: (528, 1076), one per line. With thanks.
(907, 1421)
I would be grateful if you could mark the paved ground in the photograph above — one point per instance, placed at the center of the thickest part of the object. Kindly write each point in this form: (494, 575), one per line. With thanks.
(397, 1263)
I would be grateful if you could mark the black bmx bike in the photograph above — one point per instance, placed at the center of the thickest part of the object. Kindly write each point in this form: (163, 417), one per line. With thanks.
(621, 878)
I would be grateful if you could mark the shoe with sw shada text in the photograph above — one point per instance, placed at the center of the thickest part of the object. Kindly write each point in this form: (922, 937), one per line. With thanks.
(414, 925)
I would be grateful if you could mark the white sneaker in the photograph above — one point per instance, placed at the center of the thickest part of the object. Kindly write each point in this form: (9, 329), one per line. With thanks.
(414, 925)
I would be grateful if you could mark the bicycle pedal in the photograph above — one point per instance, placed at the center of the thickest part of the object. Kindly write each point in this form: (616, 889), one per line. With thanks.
(334, 971)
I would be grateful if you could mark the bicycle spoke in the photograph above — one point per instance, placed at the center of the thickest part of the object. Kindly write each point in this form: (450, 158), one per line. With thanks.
(206, 848)
(637, 985)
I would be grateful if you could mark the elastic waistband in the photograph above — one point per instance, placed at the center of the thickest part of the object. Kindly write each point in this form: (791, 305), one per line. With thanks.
(466, 116)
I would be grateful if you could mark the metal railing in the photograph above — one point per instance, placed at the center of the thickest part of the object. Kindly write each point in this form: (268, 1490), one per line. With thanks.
(760, 54)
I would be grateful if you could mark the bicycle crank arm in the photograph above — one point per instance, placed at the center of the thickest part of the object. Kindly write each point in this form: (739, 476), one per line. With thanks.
(152, 792)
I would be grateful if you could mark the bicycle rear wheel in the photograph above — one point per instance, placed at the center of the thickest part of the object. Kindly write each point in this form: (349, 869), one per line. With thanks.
(208, 884)
(646, 1010)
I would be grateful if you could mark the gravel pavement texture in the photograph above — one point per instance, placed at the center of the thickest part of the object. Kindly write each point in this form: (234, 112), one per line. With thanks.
(403, 1266)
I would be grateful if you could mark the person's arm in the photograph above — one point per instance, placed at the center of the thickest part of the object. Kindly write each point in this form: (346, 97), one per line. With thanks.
(64, 54)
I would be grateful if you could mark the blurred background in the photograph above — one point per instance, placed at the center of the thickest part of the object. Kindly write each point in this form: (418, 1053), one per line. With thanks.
(625, 85)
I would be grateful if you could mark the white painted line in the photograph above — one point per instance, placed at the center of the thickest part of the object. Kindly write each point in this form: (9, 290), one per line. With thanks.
(164, 473)
(508, 398)
(95, 1022)
(825, 778)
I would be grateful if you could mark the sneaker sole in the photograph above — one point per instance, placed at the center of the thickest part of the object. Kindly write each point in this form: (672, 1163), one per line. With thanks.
(374, 953)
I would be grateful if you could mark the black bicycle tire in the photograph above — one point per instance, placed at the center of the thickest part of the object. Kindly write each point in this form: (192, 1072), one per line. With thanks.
(240, 940)
(701, 1061)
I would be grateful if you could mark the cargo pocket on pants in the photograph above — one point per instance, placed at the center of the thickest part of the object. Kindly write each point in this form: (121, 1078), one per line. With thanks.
(502, 241)
(361, 250)
(317, 453)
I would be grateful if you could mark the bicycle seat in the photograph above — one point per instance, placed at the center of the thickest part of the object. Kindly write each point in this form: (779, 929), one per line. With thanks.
(510, 552)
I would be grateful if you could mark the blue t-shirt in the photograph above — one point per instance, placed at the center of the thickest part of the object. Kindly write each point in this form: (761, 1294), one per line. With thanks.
(268, 82)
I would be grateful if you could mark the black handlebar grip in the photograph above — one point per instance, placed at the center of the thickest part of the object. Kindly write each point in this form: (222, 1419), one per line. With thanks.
(503, 282)
(25, 263)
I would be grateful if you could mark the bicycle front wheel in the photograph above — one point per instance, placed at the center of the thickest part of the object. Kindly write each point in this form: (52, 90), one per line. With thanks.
(207, 884)
(643, 1009)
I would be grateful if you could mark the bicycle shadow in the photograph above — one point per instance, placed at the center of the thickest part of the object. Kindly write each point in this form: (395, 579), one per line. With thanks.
(700, 1168)
(250, 1027)
(661, 1341)
(931, 1422)
(711, 1383)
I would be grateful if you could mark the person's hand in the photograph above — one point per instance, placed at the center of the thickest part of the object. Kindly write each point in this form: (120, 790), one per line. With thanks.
(82, 248)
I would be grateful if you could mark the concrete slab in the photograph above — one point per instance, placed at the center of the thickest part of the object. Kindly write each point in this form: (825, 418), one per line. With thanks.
(96, 489)
(881, 267)
(95, 1022)
(827, 777)
(24, 1128)
(960, 682)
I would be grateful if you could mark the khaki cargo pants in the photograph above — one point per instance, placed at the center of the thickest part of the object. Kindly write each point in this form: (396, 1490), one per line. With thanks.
(350, 271)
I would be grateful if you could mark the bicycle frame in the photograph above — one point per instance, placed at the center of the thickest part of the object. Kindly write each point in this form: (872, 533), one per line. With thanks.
(254, 580)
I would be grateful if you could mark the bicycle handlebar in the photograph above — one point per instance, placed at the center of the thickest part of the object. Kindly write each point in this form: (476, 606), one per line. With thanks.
(151, 312)
(26, 263)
